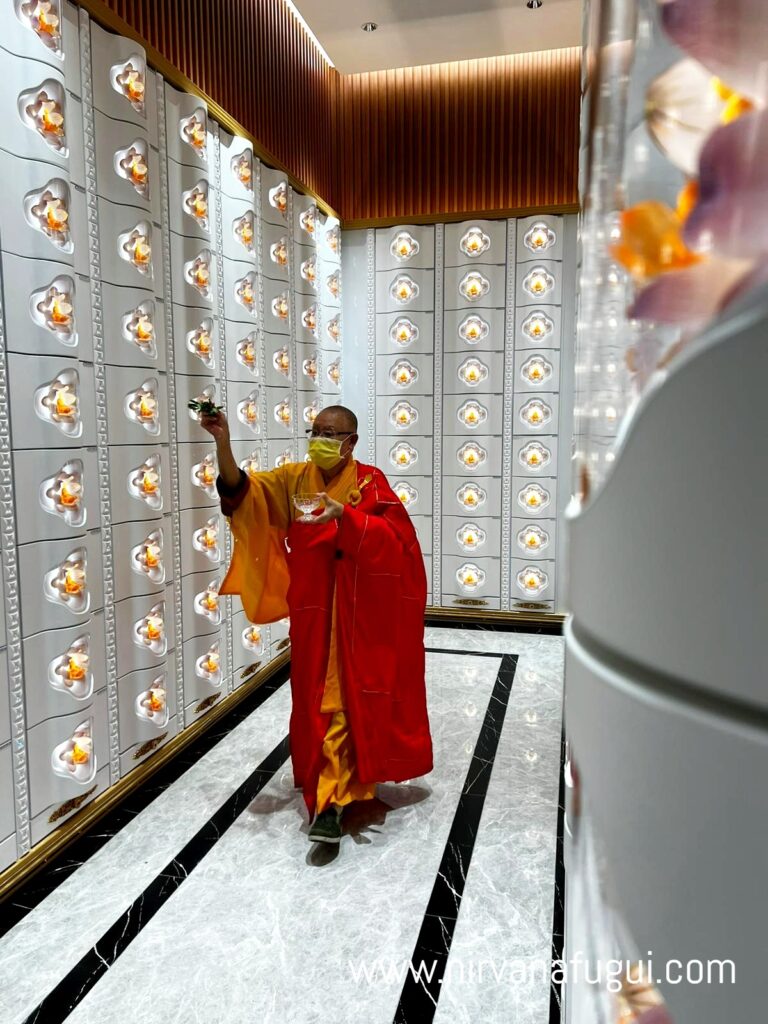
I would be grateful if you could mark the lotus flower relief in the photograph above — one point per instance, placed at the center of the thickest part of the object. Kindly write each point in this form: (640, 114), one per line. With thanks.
(283, 413)
(539, 237)
(135, 247)
(193, 131)
(333, 239)
(472, 414)
(474, 286)
(53, 308)
(538, 282)
(408, 495)
(198, 273)
(404, 289)
(309, 271)
(278, 252)
(252, 640)
(536, 414)
(207, 604)
(308, 220)
(278, 197)
(534, 456)
(141, 406)
(473, 329)
(473, 372)
(195, 204)
(200, 343)
(58, 403)
(147, 558)
(206, 539)
(204, 475)
(472, 455)
(247, 353)
(43, 110)
(248, 412)
(537, 325)
(311, 412)
(145, 483)
(404, 332)
(333, 284)
(281, 360)
(208, 665)
(536, 371)
(309, 320)
(532, 580)
(284, 458)
(404, 246)
(244, 231)
(403, 415)
(138, 328)
(475, 242)
(532, 539)
(470, 537)
(75, 758)
(246, 290)
(47, 211)
(533, 498)
(44, 19)
(63, 494)
(470, 578)
(334, 373)
(403, 456)
(129, 80)
(67, 584)
(252, 465)
(152, 704)
(403, 374)
(208, 394)
(333, 329)
(309, 367)
(132, 164)
(71, 671)
(471, 497)
(281, 306)
(150, 633)
(242, 169)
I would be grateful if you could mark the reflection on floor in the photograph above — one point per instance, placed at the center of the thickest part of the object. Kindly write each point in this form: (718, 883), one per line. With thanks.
(210, 905)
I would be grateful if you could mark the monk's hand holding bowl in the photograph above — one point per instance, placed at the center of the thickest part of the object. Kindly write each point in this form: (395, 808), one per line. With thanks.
(215, 423)
(333, 510)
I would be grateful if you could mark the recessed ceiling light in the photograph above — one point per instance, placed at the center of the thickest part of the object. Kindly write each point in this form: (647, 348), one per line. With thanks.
(534, 4)
(369, 26)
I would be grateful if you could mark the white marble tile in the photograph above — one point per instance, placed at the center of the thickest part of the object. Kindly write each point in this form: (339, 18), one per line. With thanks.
(506, 913)
(51, 939)
(266, 926)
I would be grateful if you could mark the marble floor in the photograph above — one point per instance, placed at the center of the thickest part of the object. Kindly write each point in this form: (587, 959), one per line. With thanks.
(442, 902)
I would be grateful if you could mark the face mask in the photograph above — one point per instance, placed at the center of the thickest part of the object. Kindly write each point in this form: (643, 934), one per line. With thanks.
(325, 452)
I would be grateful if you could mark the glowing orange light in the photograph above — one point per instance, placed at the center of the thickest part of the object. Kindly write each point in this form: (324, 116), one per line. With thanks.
(56, 215)
(147, 407)
(251, 412)
(199, 204)
(209, 538)
(246, 293)
(152, 555)
(144, 329)
(243, 170)
(208, 475)
(81, 753)
(77, 667)
(47, 23)
(60, 309)
(154, 626)
(50, 117)
(254, 636)
(74, 581)
(196, 131)
(71, 492)
(202, 275)
(156, 700)
(211, 601)
(66, 402)
(203, 342)
(532, 540)
(211, 663)
(248, 353)
(246, 232)
(150, 482)
(142, 251)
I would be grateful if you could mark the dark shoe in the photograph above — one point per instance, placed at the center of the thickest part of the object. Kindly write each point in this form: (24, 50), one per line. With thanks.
(326, 827)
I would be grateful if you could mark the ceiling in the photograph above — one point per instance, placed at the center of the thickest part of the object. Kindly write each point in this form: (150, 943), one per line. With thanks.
(415, 32)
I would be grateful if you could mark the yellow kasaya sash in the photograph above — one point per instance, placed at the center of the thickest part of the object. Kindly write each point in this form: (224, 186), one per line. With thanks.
(258, 571)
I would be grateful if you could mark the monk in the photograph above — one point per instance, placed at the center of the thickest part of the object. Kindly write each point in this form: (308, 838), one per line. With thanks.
(352, 580)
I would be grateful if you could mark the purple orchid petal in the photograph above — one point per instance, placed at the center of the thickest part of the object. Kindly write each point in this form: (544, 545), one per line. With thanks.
(730, 37)
(689, 297)
(731, 215)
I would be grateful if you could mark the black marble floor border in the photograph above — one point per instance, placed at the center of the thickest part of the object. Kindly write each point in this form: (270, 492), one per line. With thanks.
(500, 626)
(24, 899)
(72, 989)
(418, 999)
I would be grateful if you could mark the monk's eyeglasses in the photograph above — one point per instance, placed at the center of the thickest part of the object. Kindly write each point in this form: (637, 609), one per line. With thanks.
(328, 433)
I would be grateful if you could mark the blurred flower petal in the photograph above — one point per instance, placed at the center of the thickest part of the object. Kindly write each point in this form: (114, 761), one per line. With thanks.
(729, 37)
(689, 297)
(731, 215)
(682, 107)
(650, 242)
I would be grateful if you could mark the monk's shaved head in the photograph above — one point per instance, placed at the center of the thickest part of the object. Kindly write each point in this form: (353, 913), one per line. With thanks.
(339, 417)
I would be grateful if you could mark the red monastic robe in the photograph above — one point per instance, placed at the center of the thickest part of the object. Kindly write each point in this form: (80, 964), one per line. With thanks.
(371, 561)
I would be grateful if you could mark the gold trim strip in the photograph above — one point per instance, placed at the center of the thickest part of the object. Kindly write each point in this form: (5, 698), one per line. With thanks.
(453, 218)
(490, 618)
(53, 844)
(114, 23)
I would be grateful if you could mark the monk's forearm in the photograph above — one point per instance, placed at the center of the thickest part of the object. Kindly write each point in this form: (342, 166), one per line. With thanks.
(229, 471)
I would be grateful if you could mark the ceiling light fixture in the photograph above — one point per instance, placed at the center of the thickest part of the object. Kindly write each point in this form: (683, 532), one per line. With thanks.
(369, 26)
(534, 4)
(297, 14)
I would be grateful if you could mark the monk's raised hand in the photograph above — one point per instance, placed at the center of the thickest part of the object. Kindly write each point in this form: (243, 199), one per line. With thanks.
(216, 425)
(333, 510)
